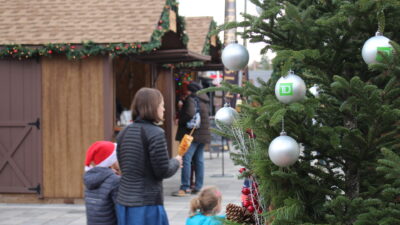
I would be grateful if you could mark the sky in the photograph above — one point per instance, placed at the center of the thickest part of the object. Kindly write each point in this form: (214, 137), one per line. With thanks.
(216, 9)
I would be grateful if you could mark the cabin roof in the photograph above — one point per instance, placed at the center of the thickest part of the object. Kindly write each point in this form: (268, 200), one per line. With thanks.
(197, 29)
(37, 22)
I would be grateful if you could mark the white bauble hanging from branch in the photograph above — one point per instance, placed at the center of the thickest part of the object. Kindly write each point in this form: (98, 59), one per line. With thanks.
(235, 57)
(226, 116)
(371, 47)
(290, 88)
(284, 150)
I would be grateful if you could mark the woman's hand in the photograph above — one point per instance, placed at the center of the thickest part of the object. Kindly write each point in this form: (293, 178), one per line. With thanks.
(179, 158)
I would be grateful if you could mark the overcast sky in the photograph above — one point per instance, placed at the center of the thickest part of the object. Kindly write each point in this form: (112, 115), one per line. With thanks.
(215, 8)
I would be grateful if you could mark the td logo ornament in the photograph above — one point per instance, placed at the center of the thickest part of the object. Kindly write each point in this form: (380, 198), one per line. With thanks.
(372, 46)
(290, 88)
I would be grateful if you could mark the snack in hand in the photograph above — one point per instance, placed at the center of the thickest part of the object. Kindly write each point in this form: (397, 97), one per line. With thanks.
(185, 144)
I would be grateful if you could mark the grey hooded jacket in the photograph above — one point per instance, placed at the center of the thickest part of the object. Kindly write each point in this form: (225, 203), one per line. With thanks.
(100, 193)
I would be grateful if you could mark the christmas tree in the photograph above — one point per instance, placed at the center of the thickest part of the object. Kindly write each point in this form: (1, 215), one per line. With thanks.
(348, 169)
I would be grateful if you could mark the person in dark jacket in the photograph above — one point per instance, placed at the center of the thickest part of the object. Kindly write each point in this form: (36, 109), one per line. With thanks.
(201, 137)
(144, 162)
(101, 183)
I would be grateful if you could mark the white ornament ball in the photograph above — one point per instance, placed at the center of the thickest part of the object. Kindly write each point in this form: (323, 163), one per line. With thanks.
(290, 88)
(226, 116)
(284, 151)
(235, 56)
(370, 49)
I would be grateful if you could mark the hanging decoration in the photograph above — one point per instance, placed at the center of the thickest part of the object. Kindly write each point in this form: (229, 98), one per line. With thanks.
(372, 46)
(290, 88)
(235, 57)
(226, 116)
(284, 150)
(378, 43)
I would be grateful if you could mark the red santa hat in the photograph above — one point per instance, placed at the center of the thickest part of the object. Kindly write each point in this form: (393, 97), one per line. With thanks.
(102, 154)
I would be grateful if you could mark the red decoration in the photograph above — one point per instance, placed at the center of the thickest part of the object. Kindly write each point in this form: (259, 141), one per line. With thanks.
(254, 185)
(241, 170)
(15, 50)
(117, 48)
(250, 208)
(72, 46)
(139, 46)
(246, 191)
(49, 51)
(247, 203)
(250, 133)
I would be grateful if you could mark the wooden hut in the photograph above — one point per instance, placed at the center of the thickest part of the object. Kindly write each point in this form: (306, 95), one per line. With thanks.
(63, 66)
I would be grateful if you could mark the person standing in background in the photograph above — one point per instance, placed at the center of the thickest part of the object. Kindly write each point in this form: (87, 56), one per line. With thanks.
(201, 137)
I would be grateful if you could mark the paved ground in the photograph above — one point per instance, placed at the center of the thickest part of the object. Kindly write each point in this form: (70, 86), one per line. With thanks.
(177, 207)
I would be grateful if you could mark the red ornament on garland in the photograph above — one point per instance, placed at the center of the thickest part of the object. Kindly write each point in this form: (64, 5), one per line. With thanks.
(72, 46)
(15, 50)
(247, 203)
(49, 51)
(250, 208)
(246, 191)
(250, 133)
(241, 170)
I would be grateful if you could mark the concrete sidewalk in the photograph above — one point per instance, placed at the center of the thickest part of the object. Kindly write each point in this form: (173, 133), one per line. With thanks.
(177, 207)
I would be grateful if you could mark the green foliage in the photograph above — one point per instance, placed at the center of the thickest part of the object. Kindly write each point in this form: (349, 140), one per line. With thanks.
(342, 176)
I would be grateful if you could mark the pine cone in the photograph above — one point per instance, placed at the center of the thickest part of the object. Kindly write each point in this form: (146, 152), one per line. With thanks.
(248, 217)
(234, 213)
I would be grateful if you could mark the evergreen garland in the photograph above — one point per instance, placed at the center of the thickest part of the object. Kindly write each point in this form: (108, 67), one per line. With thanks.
(89, 48)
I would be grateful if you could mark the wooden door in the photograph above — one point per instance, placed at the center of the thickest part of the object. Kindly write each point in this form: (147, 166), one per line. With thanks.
(20, 134)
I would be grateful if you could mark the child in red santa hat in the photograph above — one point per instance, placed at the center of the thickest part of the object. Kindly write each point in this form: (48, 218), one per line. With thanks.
(101, 183)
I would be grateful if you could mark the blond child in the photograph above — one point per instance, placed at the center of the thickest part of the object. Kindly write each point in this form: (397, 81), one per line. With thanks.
(205, 206)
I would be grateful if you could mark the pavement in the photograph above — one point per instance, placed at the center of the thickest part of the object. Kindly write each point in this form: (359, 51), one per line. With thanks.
(177, 207)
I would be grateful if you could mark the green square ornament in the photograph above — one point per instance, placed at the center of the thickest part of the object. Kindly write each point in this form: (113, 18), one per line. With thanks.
(286, 89)
(385, 50)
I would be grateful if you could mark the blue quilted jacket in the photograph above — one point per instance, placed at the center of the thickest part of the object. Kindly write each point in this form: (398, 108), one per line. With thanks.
(100, 193)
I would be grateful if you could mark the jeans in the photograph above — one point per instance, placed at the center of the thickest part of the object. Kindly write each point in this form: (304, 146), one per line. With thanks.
(195, 153)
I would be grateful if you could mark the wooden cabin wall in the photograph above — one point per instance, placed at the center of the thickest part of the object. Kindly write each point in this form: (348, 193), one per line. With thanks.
(73, 118)
(166, 84)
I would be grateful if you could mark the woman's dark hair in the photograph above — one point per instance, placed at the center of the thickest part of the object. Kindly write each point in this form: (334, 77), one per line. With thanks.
(145, 104)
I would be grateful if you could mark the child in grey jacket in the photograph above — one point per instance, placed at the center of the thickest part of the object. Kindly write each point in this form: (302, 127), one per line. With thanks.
(101, 181)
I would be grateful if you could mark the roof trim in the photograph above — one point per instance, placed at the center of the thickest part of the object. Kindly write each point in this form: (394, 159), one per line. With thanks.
(172, 56)
(208, 66)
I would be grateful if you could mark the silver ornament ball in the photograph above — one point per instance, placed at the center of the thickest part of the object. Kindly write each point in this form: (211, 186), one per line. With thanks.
(226, 116)
(284, 151)
(235, 57)
(290, 88)
(370, 49)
